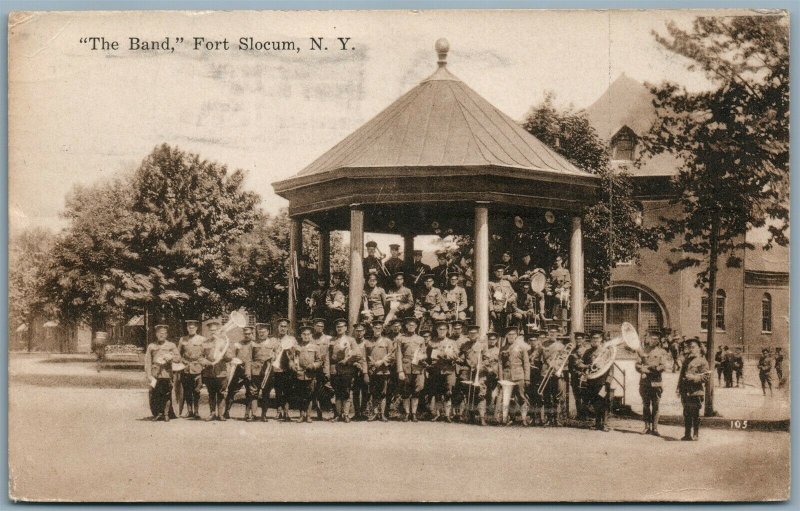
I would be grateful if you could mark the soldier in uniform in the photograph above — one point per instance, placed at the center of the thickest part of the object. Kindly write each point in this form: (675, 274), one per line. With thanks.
(215, 372)
(375, 298)
(492, 368)
(308, 363)
(455, 298)
(345, 359)
(322, 386)
(430, 302)
(501, 297)
(694, 374)
(263, 353)
(281, 378)
(410, 357)
(402, 296)
(534, 398)
(524, 269)
(764, 370)
(509, 271)
(441, 270)
(393, 394)
(464, 371)
(335, 299)
(581, 345)
(158, 361)
(652, 362)
(442, 359)
(516, 368)
(596, 391)
(394, 264)
(737, 363)
(242, 374)
(553, 393)
(191, 350)
(778, 367)
(472, 353)
(380, 360)
(361, 377)
(317, 299)
(561, 285)
(418, 270)
(372, 263)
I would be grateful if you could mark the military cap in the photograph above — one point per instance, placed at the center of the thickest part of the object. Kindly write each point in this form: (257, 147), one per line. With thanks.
(318, 321)
(596, 332)
(491, 334)
(579, 334)
(306, 326)
(693, 340)
(247, 328)
(418, 252)
(499, 267)
(765, 350)
(394, 321)
(283, 320)
(511, 328)
(440, 322)
(359, 326)
(371, 244)
(410, 319)
(524, 278)
(213, 322)
(452, 274)
(192, 322)
(472, 328)
(427, 276)
(542, 333)
(441, 253)
(394, 246)
(371, 272)
(425, 332)
(457, 322)
(161, 327)
(262, 326)
(376, 322)
(340, 321)
(506, 251)
(552, 327)
(399, 274)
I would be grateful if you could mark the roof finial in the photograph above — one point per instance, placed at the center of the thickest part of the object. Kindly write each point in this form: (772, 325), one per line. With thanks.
(442, 47)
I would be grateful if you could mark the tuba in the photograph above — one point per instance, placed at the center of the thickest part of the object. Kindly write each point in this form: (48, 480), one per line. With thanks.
(607, 353)
(237, 320)
(287, 343)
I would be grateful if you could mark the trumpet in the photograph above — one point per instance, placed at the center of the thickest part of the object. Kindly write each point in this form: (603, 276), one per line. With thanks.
(555, 365)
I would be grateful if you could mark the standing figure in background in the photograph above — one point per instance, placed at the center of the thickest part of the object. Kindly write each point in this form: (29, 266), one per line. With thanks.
(691, 388)
(718, 357)
(215, 370)
(737, 364)
(380, 361)
(727, 366)
(361, 376)
(335, 299)
(417, 271)
(501, 298)
(158, 361)
(394, 264)
(779, 366)
(263, 353)
(651, 363)
(308, 362)
(455, 298)
(410, 358)
(191, 348)
(764, 370)
(674, 351)
(242, 374)
(316, 302)
(561, 287)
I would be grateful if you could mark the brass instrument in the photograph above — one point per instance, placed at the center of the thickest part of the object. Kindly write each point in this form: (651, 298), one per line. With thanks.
(380, 258)
(236, 320)
(394, 304)
(287, 343)
(555, 365)
(607, 353)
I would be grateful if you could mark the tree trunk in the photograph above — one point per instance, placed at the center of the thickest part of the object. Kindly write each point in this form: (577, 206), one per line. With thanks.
(711, 319)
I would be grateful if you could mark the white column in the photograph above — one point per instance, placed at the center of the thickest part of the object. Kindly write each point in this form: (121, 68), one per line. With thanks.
(356, 263)
(576, 275)
(481, 262)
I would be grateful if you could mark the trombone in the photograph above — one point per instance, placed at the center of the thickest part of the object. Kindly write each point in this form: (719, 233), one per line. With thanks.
(555, 366)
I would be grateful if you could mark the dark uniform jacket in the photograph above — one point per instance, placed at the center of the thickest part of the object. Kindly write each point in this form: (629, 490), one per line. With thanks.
(158, 359)
(651, 364)
(394, 265)
(405, 299)
(407, 346)
(692, 377)
(346, 356)
(376, 301)
(418, 270)
(220, 369)
(456, 298)
(443, 355)
(491, 360)
(191, 350)
(373, 263)
(432, 300)
(309, 361)
(765, 364)
(244, 352)
(263, 353)
(381, 356)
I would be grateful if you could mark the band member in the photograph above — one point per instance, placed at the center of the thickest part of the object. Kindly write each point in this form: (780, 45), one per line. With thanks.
(430, 302)
(575, 373)
(778, 366)
(691, 388)
(509, 271)
(442, 359)
(492, 368)
(242, 374)
(561, 285)
(718, 359)
(441, 270)
(455, 299)
(501, 298)
(372, 263)
(727, 366)
(263, 353)
(343, 365)
(158, 361)
(323, 391)
(652, 362)
(534, 398)
(316, 303)
(309, 362)
(393, 396)
(764, 370)
(361, 377)
(215, 371)
(374, 301)
(554, 391)
(394, 264)
(596, 391)
(380, 360)
(410, 358)
(524, 268)
(191, 347)
(401, 295)
(335, 299)
(472, 354)
(464, 372)
(516, 367)
(418, 270)
(281, 378)
(526, 308)
(737, 363)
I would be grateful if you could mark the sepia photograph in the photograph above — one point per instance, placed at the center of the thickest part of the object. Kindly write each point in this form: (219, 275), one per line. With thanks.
(399, 256)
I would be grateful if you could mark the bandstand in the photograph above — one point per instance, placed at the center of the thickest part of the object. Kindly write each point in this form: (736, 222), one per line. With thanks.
(439, 157)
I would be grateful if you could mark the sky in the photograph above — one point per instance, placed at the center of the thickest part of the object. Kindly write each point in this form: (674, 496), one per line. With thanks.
(77, 116)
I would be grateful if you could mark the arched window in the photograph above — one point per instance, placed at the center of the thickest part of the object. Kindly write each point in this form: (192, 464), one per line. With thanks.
(720, 311)
(766, 314)
(625, 303)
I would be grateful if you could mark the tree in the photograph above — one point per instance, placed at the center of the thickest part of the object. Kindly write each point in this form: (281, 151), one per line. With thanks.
(28, 260)
(732, 142)
(612, 230)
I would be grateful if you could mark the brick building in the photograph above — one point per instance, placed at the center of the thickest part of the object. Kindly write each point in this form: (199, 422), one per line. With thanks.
(753, 301)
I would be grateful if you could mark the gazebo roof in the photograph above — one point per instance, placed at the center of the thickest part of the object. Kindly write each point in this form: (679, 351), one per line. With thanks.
(440, 128)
